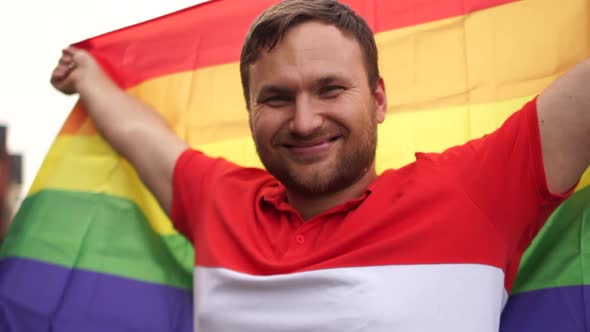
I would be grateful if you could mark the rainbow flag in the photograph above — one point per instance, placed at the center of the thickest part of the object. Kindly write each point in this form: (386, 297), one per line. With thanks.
(90, 249)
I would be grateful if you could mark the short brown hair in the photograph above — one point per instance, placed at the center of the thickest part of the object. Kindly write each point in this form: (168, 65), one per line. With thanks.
(270, 27)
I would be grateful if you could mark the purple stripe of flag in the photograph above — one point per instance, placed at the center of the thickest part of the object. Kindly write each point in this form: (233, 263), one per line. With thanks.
(548, 310)
(36, 296)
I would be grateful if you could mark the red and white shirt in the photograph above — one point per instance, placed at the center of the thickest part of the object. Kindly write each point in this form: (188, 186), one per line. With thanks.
(433, 246)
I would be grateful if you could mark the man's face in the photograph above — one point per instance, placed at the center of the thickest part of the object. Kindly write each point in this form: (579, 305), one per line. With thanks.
(313, 116)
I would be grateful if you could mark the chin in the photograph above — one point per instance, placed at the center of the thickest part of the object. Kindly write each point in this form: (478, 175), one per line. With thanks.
(320, 180)
(329, 174)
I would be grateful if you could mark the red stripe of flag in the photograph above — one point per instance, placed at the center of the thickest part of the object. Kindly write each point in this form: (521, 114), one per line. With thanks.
(212, 33)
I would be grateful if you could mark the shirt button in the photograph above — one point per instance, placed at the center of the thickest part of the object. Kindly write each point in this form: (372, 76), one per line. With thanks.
(300, 239)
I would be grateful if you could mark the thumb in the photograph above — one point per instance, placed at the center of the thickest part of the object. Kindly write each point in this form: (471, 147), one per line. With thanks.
(76, 57)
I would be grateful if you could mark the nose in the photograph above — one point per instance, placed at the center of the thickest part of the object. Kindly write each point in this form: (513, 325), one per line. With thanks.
(306, 119)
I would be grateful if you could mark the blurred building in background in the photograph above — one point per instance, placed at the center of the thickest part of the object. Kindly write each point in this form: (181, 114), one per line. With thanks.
(11, 179)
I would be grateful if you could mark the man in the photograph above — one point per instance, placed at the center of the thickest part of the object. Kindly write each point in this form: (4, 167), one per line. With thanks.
(319, 241)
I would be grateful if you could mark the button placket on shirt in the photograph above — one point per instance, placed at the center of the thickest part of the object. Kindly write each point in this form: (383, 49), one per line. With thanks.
(300, 239)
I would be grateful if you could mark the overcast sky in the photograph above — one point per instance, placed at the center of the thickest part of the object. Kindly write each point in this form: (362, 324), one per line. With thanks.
(32, 34)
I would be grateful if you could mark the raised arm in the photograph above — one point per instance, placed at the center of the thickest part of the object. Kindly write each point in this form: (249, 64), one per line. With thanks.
(564, 121)
(134, 129)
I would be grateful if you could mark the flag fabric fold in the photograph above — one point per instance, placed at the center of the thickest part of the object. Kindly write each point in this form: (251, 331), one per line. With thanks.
(90, 249)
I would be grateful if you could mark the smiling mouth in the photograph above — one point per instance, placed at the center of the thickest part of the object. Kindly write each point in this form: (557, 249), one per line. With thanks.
(313, 149)
(305, 145)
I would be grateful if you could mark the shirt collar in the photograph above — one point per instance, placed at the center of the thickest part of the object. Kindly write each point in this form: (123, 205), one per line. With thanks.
(275, 194)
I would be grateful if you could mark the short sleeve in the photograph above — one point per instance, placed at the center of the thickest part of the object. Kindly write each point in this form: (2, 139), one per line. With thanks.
(194, 176)
(503, 175)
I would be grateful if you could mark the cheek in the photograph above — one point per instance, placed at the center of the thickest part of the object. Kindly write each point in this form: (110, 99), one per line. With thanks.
(351, 110)
(264, 126)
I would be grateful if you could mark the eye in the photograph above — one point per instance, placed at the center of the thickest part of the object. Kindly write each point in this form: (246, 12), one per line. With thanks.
(331, 91)
(276, 100)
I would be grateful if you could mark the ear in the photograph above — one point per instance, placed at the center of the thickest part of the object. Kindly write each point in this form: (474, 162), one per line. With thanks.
(380, 98)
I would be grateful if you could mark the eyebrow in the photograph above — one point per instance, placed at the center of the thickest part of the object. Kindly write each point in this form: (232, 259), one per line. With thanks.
(273, 89)
(284, 90)
(326, 80)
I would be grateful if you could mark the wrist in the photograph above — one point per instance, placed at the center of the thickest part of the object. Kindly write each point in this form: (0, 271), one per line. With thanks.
(99, 83)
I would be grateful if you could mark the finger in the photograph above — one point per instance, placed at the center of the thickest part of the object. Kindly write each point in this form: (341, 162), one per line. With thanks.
(73, 53)
(62, 70)
(59, 73)
(66, 58)
(70, 63)
(67, 61)
(66, 66)
(70, 50)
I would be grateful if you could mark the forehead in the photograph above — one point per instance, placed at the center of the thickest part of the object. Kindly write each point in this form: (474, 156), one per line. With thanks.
(307, 52)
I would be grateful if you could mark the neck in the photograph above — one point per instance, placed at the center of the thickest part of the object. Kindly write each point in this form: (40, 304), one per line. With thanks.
(309, 206)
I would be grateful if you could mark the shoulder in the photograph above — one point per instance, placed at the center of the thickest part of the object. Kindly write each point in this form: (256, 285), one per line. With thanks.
(194, 161)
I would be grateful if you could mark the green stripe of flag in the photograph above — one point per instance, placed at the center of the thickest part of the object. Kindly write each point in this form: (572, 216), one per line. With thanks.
(90, 231)
(100, 233)
(560, 253)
